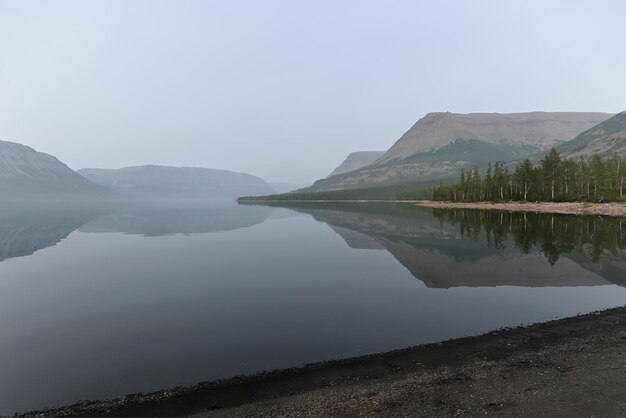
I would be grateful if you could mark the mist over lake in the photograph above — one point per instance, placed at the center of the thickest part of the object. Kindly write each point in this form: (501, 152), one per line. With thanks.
(98, 301)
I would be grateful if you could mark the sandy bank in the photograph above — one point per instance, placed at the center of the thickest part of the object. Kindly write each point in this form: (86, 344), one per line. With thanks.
(575, 208)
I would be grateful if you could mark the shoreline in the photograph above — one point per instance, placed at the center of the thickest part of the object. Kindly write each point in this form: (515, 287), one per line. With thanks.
(616, 209)
(334, 386)
(565, 208)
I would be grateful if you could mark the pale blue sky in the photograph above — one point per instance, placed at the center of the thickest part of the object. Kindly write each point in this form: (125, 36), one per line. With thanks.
(285, 89)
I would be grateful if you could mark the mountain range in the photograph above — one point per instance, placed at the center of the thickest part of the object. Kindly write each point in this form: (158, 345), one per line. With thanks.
(434, 149)
(438, 145)
(154, 181)
(27, 174)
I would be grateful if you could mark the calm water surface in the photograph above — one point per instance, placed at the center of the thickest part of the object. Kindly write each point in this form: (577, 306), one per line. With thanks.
(97, 302)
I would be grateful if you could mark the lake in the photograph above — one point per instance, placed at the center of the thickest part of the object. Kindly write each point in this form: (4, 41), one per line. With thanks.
(98, 301)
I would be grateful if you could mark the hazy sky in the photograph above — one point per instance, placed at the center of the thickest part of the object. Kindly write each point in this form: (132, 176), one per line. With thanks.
(285, 89)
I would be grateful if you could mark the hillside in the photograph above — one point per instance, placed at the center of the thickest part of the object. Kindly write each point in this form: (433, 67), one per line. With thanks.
(29, 174)
(538, 130)
(356, 160)
(440, 144)
(606, 139)
(155, 182)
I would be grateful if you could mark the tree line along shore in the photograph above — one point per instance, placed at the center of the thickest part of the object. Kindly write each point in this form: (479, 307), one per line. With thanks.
(553, 179)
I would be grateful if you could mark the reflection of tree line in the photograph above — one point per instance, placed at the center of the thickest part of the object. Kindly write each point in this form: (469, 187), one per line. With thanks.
(433, 252)
(552, 234)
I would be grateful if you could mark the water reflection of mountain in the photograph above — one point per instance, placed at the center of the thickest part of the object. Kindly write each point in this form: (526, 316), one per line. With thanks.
(448, 248)
(25, 229)
(168, 218)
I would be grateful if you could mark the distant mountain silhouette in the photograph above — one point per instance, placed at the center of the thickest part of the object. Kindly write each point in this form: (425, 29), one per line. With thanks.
(162, 182)
(26, 174)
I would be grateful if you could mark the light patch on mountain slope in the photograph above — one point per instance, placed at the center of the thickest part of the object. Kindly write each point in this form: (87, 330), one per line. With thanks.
(356, 160)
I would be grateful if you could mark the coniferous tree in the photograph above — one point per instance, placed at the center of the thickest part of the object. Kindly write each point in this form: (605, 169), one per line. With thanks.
(550, 167)
(524, 173)
(553, 179)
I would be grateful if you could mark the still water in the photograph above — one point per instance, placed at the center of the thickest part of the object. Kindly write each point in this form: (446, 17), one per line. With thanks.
(101, 301)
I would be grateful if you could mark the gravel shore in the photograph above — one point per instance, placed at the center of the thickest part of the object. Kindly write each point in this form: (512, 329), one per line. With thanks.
(570, 208)
(570, 367)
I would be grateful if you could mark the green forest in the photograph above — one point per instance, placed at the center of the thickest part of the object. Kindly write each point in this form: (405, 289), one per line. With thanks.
(553, 179)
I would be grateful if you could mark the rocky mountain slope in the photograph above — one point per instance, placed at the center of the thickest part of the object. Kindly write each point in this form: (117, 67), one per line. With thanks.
(540, 130)
(439, 144)
(29, 174)
(606, 139)
(356, 160)
(152, 181)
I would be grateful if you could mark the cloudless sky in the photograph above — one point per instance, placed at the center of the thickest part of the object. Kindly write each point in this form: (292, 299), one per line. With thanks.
(286, 89)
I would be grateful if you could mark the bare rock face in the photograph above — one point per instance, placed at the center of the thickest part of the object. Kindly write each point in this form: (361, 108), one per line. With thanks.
(152, 181)
(608, 138)
(356, 160)
(26, 173)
